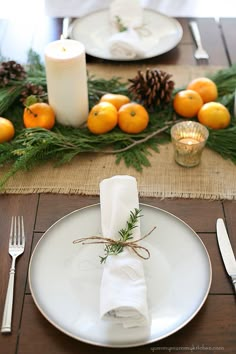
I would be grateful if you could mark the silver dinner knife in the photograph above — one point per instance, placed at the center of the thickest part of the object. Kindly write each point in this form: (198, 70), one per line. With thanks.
(66, 27)
(226, 250)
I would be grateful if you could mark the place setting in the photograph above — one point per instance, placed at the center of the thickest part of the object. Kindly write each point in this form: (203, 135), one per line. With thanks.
(125, 294)
(125, 33)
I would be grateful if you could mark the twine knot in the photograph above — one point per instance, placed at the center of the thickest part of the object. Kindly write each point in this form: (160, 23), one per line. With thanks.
(133, 244)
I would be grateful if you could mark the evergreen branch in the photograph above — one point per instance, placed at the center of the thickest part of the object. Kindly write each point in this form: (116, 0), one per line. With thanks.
(225, 79)
(143, 140)
(126, 234)
(36, 145)
(33, 146)
(222, 143)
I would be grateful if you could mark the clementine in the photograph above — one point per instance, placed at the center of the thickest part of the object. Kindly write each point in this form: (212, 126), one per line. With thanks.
(187, 103)
(206, 88)
(39, 114)
(102, 118)
(116, 99)
(7, 130)
(214, 115)
(132, 118)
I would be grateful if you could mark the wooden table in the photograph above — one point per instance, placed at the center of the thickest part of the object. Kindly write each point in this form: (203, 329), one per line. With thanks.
(213, 329)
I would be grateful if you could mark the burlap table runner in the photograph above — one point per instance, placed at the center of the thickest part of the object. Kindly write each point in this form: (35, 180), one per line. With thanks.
(214, 178)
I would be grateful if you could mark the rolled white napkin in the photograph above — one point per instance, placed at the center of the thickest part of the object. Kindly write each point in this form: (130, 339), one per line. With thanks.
(130, 12)
(125, 45)
(123, 292)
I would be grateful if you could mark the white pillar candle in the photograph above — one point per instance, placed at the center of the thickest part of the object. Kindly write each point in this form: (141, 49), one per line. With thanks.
(67, 81)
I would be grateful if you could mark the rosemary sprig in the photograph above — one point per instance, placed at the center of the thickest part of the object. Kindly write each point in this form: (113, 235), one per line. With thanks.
(121, 27)
(126, 234)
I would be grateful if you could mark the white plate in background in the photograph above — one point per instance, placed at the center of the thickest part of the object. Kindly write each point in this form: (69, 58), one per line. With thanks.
(159, 34)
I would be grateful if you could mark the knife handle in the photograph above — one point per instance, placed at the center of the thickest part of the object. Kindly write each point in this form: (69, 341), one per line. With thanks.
(234, 282)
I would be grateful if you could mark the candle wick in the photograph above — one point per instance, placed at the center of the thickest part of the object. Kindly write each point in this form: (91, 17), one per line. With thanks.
(63, 40)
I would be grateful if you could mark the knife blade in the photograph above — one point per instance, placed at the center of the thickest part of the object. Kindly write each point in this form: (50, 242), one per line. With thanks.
(226, 251)
(65, 27)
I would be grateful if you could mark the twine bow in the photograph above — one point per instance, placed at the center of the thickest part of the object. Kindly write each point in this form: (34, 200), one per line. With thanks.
(133, 244)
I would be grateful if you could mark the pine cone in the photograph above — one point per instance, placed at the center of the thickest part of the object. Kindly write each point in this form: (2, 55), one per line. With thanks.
(32, 90)
(152, 89)
(10, 70)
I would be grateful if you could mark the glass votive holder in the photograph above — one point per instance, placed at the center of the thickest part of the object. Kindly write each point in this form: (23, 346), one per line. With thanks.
(189, 139)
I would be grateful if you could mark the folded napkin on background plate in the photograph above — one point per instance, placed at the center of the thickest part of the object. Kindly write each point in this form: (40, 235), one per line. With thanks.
(123, 292)
(129, 12)
(125, 45)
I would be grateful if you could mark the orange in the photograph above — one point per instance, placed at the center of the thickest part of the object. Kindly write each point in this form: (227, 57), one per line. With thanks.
(116, 99)
(40, 115)
(187, 103)
(132, 118)
(206, 88)
(102, 118)
(214, 115)
(7, 130)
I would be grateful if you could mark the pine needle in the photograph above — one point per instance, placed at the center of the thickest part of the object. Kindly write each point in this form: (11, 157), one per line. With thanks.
(224, 143)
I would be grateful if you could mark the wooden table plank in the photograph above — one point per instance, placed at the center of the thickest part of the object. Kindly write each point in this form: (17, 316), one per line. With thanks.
(212, 41)
(228, 28)
(54, 206)
(186, 209)
(230, 213)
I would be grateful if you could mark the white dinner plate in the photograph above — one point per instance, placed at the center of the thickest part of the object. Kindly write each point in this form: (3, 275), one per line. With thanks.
(65, 278)
(159, 34)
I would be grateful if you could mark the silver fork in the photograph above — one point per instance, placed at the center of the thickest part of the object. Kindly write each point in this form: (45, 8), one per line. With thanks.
(200, 52)
(16, 248)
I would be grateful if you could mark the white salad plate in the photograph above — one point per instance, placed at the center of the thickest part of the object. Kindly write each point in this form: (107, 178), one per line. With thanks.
(65, 278)
(159, 34)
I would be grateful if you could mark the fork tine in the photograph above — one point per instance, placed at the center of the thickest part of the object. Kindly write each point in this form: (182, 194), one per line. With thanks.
(17, 232)
(22, 231)
(11, 231)
(14, 240)
(18, 240)
(202, 61)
